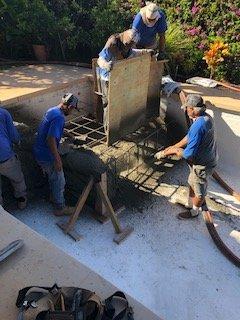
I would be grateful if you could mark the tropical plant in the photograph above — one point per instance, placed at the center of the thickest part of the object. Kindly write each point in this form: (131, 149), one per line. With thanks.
(215, 55)
(181, 51)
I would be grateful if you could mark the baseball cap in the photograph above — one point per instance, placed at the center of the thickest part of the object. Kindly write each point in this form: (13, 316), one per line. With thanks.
(70, 100)
(152, 11)
(195, 101)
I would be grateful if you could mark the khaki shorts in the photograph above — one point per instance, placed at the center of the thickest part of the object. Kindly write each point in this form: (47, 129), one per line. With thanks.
(198, 179)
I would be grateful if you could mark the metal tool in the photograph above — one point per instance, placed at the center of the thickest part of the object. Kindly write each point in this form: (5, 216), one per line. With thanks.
(10, 249)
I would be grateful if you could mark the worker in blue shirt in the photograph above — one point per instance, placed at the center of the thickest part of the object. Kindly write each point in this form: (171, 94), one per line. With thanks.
(10, 166)
(200, 152)
(46, 153)
(150, 22)
(119, 46)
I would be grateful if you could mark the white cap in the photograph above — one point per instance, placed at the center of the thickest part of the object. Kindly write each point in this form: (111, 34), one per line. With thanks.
(152, 11)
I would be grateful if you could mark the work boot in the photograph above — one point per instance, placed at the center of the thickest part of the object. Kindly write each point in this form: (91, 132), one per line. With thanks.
(22, 203)
(66, 211)
(189, 214)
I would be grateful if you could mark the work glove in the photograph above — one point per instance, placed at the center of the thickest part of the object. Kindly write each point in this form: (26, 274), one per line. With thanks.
(151, 51)
(104, 64)
(161, 55)
(160, 155)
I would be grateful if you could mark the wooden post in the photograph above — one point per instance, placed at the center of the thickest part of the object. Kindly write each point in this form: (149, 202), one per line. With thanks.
(100, 207)
(108, 205)
(81, 201)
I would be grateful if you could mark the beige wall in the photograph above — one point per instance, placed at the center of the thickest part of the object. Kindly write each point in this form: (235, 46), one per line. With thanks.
(36, 103)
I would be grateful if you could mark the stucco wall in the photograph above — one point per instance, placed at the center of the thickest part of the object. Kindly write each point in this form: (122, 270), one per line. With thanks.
(37, 103)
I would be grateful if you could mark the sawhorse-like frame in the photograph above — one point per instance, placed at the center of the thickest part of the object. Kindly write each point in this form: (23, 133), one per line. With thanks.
(68, 228)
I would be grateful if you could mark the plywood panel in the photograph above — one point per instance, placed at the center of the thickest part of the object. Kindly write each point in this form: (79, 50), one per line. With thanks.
(154, 87)
(128, 90)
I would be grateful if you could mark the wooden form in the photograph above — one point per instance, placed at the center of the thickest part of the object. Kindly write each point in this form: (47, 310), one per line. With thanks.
(127, 96)
(68, 228)
(154, 88)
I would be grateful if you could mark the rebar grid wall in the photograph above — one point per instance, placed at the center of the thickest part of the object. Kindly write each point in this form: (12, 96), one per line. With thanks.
(86, 130)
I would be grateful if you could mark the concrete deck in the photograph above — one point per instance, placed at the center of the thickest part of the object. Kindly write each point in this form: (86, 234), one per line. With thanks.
(31, 79)
(221, 97)
(41, 263)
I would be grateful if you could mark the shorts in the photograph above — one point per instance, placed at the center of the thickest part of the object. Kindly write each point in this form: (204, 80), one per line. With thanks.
(198, 179)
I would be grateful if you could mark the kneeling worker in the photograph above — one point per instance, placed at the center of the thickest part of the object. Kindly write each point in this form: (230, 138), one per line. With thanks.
(200, 153)
(46, 152)
(10, 166)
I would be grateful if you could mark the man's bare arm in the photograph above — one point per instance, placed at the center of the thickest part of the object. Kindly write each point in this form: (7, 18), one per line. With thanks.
(175, 149)
(162, 42)
(182, 143)
(54, 150)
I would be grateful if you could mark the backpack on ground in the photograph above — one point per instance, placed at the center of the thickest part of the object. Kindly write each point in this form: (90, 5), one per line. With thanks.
(70, 303)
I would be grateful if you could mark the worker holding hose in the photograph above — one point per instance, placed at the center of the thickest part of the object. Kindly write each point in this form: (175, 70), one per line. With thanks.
(198, 147)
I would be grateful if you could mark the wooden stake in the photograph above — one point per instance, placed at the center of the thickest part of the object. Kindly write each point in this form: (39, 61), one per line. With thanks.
(82, 199)
(122, 234)
(68, 227)
(109, 207)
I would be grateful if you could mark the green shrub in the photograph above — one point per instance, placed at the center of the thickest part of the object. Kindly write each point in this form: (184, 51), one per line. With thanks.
(77, 29)
(204, 21)
(181, 51)
(110, 19)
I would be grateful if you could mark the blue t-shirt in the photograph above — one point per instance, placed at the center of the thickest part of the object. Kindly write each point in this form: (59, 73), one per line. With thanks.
(8, 135)
(201, 147)
(107, 54)
(52, 125)
(148, 34)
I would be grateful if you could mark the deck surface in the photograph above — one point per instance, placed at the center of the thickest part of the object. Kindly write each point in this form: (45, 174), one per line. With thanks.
(41, 263)
(19, 81)
(223, 98)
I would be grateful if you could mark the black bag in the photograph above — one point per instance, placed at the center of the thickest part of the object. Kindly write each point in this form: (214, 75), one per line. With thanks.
(70, 303)
(116, 307)
(66, 303)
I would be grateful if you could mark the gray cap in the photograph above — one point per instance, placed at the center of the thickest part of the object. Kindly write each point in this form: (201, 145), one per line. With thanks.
(195, 101)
